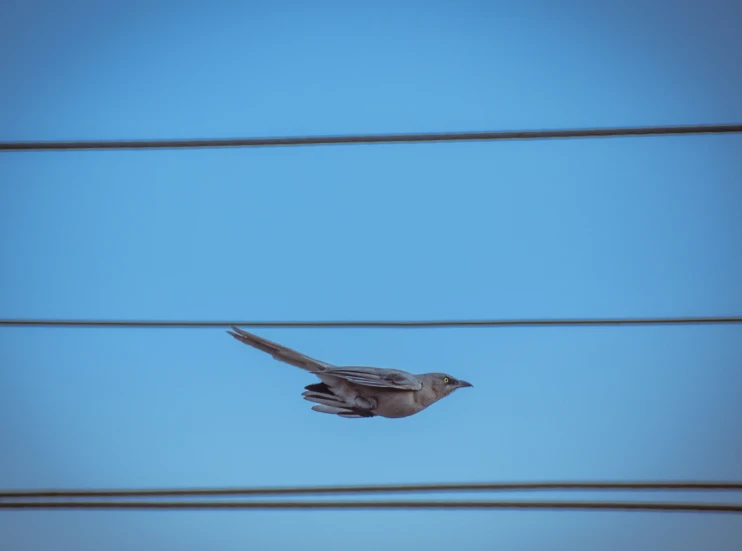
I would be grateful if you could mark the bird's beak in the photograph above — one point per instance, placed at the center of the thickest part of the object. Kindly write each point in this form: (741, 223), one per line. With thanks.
(463, 384)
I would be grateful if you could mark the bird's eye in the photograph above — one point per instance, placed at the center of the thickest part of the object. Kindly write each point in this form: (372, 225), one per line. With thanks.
(445, 379)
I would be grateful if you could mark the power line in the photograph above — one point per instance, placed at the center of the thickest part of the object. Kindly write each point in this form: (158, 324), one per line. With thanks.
(371, 138)
(336, 505)
(377, 324)
(375, 489)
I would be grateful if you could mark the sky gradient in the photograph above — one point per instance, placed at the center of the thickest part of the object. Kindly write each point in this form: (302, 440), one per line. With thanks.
(562, 228)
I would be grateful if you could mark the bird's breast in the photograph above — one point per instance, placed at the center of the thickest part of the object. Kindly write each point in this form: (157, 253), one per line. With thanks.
(396, 404)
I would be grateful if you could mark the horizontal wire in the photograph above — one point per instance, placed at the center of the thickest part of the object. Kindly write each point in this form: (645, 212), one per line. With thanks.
(375, 489)
(380, 324)
(371, 138)
(297, 505)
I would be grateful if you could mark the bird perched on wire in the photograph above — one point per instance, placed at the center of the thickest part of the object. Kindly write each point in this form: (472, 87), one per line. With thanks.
(355, 392)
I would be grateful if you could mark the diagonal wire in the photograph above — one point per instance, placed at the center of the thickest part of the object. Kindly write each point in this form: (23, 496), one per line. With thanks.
(409, 505)
(371, 138)
(379, 324)
(372, 489)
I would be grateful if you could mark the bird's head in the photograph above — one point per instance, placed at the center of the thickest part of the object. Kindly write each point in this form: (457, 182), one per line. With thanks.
(444, 384)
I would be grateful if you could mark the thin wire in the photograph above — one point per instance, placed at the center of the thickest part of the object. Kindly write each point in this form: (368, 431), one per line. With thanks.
(371, 138)
(379, 324)
(372, 489)
(267, 505)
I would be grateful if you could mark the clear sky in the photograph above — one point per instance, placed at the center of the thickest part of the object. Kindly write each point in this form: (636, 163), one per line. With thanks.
(574, 228)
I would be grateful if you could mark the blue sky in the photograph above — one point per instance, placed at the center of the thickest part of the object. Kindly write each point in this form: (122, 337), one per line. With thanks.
(574, 228)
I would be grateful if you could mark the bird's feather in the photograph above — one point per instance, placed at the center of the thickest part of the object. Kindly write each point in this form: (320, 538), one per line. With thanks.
(325, 399)
(377, 377)
(342, 412)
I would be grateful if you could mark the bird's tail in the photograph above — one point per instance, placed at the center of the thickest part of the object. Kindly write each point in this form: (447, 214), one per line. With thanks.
(278, 351)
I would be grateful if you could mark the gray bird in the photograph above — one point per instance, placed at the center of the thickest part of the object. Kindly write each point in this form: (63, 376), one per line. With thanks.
(355, 392)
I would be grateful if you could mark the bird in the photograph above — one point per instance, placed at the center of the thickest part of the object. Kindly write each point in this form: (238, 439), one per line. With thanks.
(355, 392)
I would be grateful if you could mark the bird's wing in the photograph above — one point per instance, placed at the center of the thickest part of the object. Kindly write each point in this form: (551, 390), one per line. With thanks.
(279, 352)
(377, 377)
